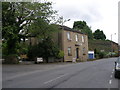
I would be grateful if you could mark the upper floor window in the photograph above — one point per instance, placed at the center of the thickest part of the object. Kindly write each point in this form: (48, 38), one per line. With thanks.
(68, 35)
(83, 39)
(76, 37)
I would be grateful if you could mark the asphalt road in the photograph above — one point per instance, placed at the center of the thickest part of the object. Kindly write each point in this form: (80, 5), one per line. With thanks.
(93, 74)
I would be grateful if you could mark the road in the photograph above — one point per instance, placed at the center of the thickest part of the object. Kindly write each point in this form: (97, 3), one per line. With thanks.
(92, 74)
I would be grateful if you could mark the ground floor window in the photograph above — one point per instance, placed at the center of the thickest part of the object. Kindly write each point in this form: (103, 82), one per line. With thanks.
(69, 51)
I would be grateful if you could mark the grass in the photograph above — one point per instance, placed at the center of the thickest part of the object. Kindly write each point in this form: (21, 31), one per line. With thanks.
(101, 45)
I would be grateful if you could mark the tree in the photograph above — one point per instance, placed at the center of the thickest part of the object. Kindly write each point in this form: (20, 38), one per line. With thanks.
(16, 19)
(83, 27)
(46, 48)
(42, 29)
(44, 33)
(99, 34)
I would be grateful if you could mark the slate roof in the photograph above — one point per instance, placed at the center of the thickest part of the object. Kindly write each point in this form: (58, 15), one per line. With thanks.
(70, 29)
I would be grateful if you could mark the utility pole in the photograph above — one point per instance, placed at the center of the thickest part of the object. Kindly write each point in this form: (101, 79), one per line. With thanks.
(112, 44)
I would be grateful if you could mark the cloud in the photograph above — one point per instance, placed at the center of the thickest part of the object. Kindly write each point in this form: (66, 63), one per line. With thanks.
(102, 14)
(77, 9)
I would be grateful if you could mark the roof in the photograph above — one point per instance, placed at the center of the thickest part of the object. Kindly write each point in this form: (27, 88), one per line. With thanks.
(70, 29)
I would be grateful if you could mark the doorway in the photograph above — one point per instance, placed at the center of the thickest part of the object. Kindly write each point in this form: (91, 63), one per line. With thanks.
(77, 53)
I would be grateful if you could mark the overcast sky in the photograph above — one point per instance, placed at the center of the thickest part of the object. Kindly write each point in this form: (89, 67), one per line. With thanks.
(99, 14)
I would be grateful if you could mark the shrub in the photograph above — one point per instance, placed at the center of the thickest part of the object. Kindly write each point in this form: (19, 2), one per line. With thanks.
(101, 54)
(60, 54)
(45, 49)
(11, 59)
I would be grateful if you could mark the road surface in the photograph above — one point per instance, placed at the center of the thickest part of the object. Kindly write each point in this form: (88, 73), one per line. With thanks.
(92, 74)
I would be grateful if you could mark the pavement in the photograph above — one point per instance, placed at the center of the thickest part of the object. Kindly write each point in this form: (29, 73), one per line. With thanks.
(93, 74)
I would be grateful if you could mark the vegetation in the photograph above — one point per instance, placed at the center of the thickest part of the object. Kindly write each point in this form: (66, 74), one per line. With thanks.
(60, 54)
(99, 35)
(102, 48)
(83, 27)
(96, 41)
(46, 48)
(20, 20)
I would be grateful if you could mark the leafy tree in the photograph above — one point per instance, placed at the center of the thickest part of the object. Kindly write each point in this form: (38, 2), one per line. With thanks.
(16, 19)
(44, 33)
(46, 48)
(99, 35)
(83, 27)
(42, 29)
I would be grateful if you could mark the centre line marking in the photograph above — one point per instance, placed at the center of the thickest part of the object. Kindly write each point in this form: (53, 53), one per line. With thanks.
(55, 79)
(110, 81)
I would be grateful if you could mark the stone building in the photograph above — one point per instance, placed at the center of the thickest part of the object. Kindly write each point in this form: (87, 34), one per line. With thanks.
(73, 43)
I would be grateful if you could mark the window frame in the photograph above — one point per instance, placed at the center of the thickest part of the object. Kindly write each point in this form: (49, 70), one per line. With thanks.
(69, 50)
(76, 38)
(68, 36)
(83, 39)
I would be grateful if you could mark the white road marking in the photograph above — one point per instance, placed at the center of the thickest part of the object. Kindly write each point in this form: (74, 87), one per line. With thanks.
(55, 79)
(110, 81)
(111, 76)
(113, 70)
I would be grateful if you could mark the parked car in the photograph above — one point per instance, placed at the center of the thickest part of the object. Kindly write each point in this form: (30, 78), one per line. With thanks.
(117, 68)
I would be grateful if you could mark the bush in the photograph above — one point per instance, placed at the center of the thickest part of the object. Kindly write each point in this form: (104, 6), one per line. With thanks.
(60, 54)
(101, 54)
(23, 48)
(33, 52)
(45, 49)
(11, 59)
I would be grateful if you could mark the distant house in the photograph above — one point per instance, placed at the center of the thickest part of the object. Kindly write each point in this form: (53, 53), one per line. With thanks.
(73, 43)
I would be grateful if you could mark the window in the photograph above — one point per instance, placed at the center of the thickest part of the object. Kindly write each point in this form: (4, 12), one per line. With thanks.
(69, 51)
(76, 37)
(82, 38)
(68, 35)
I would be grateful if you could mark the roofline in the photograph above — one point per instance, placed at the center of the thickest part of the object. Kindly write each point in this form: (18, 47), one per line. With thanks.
(70, 29)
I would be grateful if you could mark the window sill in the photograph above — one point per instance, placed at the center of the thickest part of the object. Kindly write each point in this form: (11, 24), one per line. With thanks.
(69, 54)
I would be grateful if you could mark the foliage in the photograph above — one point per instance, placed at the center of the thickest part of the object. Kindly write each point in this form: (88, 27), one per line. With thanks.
(99, 35)
(23, 48)
(101, 45)
(60, 54)
(16, 19)
(42, 29)
(99, 54)
(83, 27)
(46, 48)
(11, 59)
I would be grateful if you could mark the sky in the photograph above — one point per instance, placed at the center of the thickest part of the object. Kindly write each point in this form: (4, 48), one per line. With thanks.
(99, 14)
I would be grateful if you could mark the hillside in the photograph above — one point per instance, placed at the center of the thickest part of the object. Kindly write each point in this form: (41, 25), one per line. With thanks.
(102, 45)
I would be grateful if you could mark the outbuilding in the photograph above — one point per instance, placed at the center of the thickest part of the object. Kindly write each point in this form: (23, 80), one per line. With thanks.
(91, 55)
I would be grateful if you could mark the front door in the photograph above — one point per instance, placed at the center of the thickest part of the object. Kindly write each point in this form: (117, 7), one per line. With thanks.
(77, 53)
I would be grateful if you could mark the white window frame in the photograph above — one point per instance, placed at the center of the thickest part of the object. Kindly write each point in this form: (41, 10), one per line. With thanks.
(68, 36)
(76, 37)
(83, 40)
